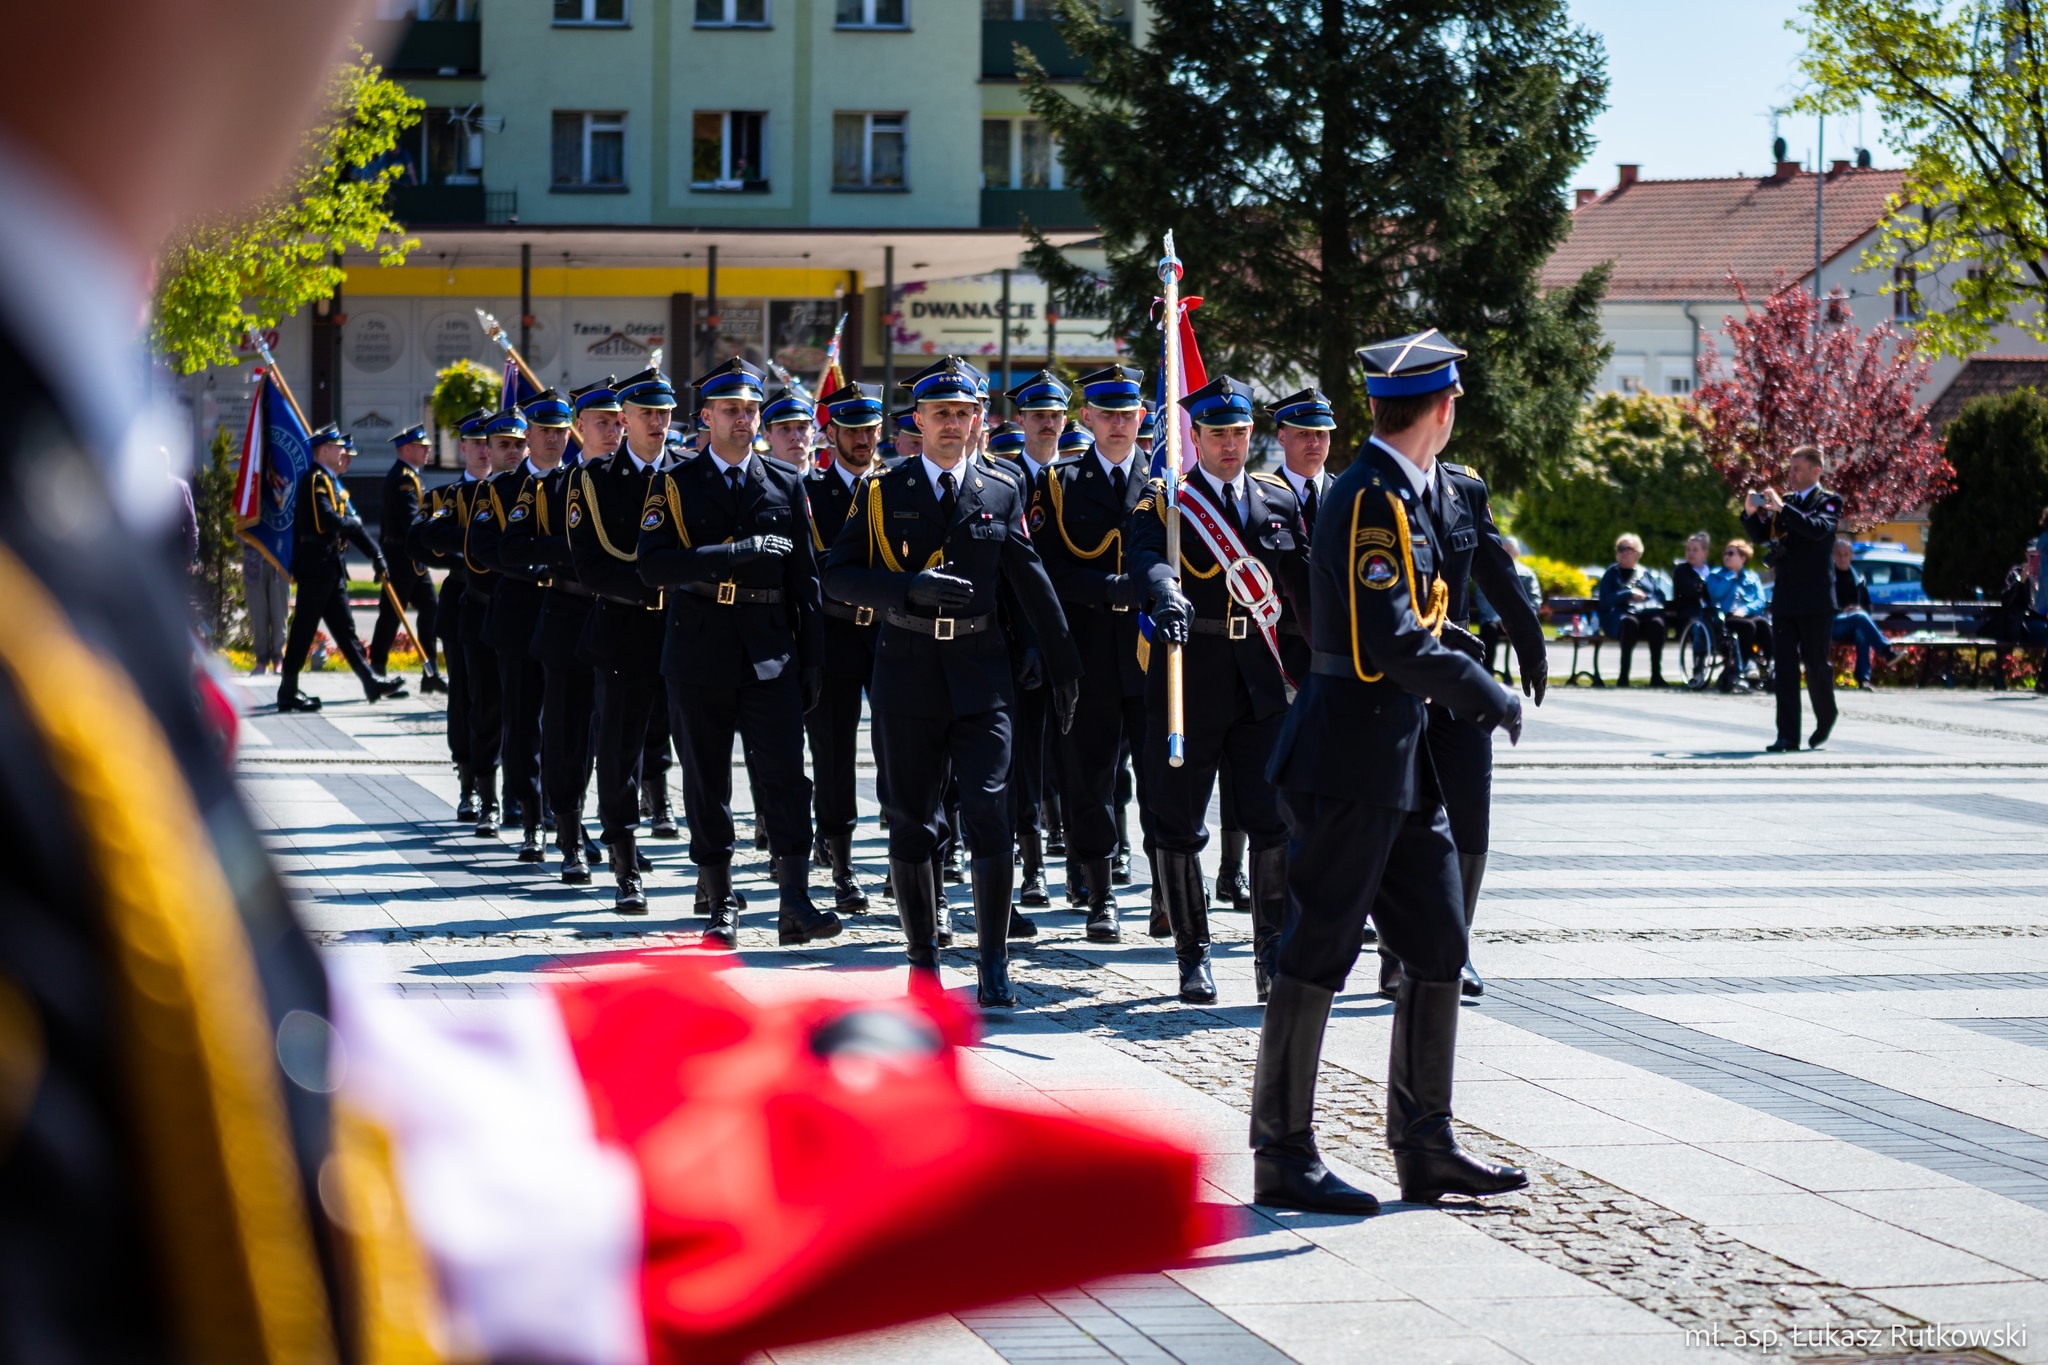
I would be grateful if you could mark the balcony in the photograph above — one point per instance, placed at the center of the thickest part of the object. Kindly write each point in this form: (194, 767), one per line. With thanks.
(1041, 38)
(439, 47)
(1046, 209)
(439, 205)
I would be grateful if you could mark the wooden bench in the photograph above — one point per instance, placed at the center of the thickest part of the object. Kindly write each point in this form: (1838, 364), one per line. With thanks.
(1561, 610)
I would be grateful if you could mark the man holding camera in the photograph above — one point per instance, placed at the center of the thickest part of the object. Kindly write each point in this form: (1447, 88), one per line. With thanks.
(1799, 527)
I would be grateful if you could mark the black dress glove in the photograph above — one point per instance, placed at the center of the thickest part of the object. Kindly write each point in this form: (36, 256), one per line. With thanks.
(1065, 697)
(1171, 613)
(1535, 676)
(1127, 590)
(1031, 670)
(383, 570)
(937, 588)
(1511, 720)
(813, 680)
(757, 547)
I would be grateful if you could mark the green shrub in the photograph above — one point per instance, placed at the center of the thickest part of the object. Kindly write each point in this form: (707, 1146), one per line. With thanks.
(1998, 446)
(1558, 578)
(461, 389)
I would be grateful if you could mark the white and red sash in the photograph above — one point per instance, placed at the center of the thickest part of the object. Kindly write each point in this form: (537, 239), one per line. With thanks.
(1249, 580)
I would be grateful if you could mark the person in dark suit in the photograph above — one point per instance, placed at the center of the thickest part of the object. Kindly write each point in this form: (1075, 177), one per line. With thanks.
(1471, 551)
(403, 497)
(446, 534)
(1243, 559)
(928, 545)
(1799, 526)
(322, 523)
(727, 536)
(1077, 523)
(1040, 408)
(853, 429)
(1367, 827)
(622, 639)
(442, 504)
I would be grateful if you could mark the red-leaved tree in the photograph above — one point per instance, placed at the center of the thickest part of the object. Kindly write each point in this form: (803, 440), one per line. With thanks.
(1855, 394)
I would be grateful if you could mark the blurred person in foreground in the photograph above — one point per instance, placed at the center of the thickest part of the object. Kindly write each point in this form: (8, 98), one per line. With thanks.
(1853, 622)
(184, 1172)
(1632, 608)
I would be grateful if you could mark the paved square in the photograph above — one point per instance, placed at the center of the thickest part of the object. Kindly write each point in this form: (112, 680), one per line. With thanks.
(1770, 1032)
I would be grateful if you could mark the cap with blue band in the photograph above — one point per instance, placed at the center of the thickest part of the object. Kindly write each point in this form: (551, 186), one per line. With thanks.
(472, 425)
(648, 389)
(1309, 409)
(1007, 439)
(510, 422)
(906, 420)
(546, 409)
(1411, 366)
(1076, 440)
(734, 379)
(1114, 388)
(1222, 402)
(853, 405)
(951, 380)
(1042, 392)
(787, 405)
(603, 396)
(416, 434)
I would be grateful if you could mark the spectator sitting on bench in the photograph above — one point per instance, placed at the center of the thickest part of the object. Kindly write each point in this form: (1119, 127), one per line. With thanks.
(1689, 582)
(1738, 594)
(1853, 621)
(1632, 608)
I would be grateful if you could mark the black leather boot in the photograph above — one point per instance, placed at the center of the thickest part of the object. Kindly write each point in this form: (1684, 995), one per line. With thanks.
(631, 900)
(660, 814)
(487, 803)
(797, 920)
(1157, 925)
(1269, 912)
(1427, 1157)
(821, 850)
(992, 879)
(1287, 1172)
(944, 907)
(1390, 975)
(1055, 826)
(1102, 922)
(465, 804)
(714, 893)
(573, 842)
(1077, 884)
(1120, 868)
(1232, 887)
(433, 682)
(848, 897)
(530, 848)
(956, 852)
(917, 910)
(1471, 872)
(1179, 879)
(1033, 892)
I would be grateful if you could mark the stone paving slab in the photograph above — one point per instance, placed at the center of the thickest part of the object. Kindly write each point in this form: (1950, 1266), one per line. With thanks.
(1770, 1033)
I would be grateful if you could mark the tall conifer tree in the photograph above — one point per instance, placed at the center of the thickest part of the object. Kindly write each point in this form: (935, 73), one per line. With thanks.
(1339, 171)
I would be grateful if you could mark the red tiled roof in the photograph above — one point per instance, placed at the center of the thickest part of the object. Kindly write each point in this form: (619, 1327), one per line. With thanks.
(1987, 374)
(1678, 239)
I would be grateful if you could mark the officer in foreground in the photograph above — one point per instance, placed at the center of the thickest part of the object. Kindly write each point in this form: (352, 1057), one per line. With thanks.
(1800, 528)
(322, 522)
(1241, 545)
(927, 545)
(1368, 830)
(403, 498)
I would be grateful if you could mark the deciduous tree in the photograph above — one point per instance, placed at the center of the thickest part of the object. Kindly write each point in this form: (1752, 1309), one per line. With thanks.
(1341, 171)
(222, 279)
(1855, 394)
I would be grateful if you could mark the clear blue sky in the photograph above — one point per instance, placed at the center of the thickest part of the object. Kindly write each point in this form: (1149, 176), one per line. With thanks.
(1691, 86)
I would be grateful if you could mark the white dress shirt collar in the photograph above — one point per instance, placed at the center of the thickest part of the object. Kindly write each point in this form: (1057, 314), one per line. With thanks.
(852, 479)
(1129, 466)
(1215, 487)
(932, 472)
(1418, 479)
(1300, 482)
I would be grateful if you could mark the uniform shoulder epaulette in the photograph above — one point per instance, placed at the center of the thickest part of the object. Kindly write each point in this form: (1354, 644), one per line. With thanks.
(1273, 479)
(1068, 461)
(996, 470)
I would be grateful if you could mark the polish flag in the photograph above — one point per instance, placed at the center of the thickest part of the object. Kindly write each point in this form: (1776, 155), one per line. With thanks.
(649, 1167)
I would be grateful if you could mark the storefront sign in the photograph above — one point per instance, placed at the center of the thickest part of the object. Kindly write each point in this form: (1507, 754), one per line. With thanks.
(966, 317)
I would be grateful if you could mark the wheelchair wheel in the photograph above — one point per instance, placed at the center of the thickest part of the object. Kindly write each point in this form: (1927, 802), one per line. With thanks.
(1696, 655)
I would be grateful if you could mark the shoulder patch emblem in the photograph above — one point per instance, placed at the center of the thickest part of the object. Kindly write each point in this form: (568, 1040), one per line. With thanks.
(1376, 570)
(483, 513)
(518, 513)
(1037, 519)
(651, 520)
(1372, 535)
(575, 513)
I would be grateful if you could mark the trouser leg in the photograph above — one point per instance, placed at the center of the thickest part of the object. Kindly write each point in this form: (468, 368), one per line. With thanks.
(706, 721)
(314, 587)
(833, 727)
(520, 687)
(568, 697)
(625, 701)
(1815, 637)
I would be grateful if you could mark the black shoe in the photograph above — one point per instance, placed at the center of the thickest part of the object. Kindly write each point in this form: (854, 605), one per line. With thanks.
(798, 921)
(1021, 924)
(1779, 746)
(994, 921)
(530, 849)
(663, 825)
(760, 839)
(1286, 1180)
(956, 863)
(848, 896)
(992, 988)
(296, 701)
(1232, 887)
(1178, 877)
(714, 889)
(1286, 1170)
(1820, 735)
(944, 918)
(1427, 1158)
(465, 804)
(917, 911)
(1120, 867)
(1077, 885)
(1102, 919)
(575, 867)
(487, 820)
(1469, 982)
(631, 899)
(433, 682)
(1031, 884)
(1390, 975)
(377, 689)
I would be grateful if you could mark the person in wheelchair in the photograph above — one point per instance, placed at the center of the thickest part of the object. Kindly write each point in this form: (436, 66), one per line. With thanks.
(1738, 595)
(1698, 624)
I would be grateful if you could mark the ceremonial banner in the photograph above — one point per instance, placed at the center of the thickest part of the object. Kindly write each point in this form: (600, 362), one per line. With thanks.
(275, 454)
(1192, 377)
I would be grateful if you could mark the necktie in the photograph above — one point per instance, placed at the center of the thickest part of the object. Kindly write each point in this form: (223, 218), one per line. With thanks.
(1308, 505)
(1119, 483)
(732, 481)
(1231, 512)
(947, 502)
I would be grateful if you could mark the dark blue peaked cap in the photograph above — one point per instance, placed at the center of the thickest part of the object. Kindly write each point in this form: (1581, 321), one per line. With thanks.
(648, 389)
(734, 379)
(472, 425)
(1309, 408)
(1076, 440)
(416, 432)
(1222, 402)
(853, 405)
(1042, 392)
(510, 422)
(787, 405)
(1405, 367)
(603, 396)
(1113, 388)
(951, 380)
(1007, 439)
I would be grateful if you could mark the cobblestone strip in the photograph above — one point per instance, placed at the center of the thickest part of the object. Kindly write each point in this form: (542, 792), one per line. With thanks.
(1759, 934)
(1683, 1271)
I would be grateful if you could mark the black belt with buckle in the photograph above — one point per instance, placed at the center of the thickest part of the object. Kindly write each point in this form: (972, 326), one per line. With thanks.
(943, 627)
(479, 586)
(1236, 628)
(860, 616)
(1333, 665)
(571, 587)
(635, 604)
(732, 594)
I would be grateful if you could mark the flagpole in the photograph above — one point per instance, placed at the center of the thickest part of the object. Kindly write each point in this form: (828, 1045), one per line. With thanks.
(831, 355)
(1176, 717)
(271, 372)
(496, 332)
